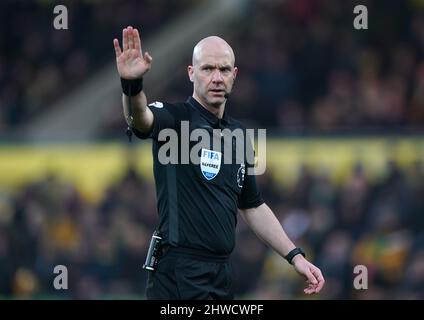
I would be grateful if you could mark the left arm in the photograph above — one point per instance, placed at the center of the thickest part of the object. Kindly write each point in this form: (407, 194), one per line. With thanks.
(267, 227)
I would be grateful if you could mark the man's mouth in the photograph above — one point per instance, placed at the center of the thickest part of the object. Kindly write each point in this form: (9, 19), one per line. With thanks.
(217, 91)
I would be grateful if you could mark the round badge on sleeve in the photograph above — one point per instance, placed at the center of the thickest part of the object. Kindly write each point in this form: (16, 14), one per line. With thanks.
(240, 175)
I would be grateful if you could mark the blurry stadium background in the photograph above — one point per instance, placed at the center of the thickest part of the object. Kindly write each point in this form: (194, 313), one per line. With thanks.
(344, 110)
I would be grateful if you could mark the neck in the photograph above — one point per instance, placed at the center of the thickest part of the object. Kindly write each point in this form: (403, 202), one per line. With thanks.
(218, 111)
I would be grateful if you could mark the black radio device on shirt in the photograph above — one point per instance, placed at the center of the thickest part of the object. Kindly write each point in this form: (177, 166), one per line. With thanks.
(153, 254)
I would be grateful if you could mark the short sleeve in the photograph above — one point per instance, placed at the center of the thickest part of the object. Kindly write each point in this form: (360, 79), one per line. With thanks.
(250, 196)
(164, 117)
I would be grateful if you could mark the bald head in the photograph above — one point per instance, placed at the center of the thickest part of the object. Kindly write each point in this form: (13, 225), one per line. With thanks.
(212, 46)
(212, 73)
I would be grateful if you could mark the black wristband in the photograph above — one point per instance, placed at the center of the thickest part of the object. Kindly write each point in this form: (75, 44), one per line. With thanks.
(132, 87)
(289, 257)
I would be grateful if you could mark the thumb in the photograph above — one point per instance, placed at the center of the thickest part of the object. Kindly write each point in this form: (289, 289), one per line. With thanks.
(310, 277)
(148, 57)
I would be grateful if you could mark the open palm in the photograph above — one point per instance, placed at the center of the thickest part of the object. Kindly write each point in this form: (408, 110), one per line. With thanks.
(130, 61)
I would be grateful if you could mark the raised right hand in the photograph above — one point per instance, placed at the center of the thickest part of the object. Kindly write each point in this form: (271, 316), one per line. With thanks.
(130, 62)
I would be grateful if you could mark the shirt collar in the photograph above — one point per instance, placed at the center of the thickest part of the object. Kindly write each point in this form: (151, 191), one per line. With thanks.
(209, 115)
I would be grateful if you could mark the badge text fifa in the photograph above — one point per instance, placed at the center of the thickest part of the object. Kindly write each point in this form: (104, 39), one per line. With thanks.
(234, 146)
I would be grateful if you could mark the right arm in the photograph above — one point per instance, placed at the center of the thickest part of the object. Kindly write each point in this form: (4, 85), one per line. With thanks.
(142, 116)
(133, 65)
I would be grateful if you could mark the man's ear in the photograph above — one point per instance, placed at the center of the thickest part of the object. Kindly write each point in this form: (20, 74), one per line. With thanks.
(235, 73)
(190, 70)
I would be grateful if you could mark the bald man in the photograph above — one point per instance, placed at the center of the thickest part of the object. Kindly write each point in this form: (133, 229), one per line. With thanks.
(198, 201)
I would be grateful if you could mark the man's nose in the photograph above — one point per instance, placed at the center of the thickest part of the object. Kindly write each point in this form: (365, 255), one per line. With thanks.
(217, 76)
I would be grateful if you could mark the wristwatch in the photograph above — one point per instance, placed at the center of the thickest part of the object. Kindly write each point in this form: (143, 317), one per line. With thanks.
(289, 257)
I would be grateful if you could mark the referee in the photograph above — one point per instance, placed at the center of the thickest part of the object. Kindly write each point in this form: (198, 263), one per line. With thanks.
(198, 202)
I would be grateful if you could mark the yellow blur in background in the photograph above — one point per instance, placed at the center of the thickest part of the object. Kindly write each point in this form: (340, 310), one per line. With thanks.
(93, 167)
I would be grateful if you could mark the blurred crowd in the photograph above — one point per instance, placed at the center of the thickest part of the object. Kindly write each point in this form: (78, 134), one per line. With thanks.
(317, 72)
(305, 68)
(377, 224)
(39, 64)
(302, 63)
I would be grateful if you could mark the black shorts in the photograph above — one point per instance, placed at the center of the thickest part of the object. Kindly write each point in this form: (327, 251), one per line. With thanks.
(190, 276)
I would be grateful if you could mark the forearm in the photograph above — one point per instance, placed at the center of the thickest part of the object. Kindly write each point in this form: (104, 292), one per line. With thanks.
(141, 114)
(267, 227)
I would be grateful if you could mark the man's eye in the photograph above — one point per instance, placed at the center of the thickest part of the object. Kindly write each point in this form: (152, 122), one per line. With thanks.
(225, 70)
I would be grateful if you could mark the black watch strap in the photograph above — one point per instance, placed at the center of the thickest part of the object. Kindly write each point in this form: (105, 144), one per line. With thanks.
(289, 257)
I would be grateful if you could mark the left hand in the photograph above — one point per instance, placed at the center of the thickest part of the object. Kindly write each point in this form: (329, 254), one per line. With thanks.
(311, 273)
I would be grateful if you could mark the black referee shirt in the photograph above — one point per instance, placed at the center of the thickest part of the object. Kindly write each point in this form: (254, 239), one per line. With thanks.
(198, 203)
